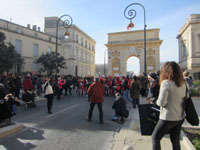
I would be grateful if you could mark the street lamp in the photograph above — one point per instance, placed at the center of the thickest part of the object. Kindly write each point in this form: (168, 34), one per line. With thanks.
(66, 24)
(105, 63)
(130, 15)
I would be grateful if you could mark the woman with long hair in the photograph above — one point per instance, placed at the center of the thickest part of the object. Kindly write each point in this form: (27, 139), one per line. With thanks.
(170, 100)
(49, 93)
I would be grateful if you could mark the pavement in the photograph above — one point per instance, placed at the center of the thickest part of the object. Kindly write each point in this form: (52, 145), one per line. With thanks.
(129, 137)
(13, 127)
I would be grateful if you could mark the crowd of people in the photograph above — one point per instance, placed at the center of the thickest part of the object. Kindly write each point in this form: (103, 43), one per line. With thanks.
(165, 89)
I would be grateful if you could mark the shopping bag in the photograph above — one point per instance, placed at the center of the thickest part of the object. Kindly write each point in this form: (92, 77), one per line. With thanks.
(191, 114)
(149, 116)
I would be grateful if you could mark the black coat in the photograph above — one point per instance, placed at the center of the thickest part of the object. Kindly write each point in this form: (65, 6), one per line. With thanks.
(119, 106)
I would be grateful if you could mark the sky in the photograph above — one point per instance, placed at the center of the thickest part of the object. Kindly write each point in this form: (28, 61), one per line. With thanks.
(97, 18)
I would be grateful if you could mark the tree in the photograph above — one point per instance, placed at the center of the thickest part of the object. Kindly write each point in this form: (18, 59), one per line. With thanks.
(9, 57)
(48, 61)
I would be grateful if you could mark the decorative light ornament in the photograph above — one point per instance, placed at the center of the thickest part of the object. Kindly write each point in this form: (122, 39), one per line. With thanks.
(130, 25)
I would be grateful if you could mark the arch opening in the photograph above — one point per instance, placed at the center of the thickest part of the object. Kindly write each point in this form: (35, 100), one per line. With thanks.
(133, 66)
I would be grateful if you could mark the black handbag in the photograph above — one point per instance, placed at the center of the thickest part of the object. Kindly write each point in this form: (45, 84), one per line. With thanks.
(5, 110)
(149, 116)
(191, 114)
(125, 113)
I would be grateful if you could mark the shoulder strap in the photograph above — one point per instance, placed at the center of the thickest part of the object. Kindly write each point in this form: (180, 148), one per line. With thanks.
(187, 92)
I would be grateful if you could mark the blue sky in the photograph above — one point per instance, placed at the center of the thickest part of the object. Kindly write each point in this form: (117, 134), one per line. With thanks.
(99, 17)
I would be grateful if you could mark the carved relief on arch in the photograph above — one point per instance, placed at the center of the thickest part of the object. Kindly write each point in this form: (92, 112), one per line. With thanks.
(115, 53)
(151, 52)
(150, 64)
(115, 66)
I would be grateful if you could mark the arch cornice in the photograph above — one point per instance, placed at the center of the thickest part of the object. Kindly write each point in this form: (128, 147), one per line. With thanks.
(118, 43)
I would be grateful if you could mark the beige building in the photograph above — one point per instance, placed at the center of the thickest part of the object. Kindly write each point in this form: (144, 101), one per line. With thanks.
(123, 45)
(189, 45)
(78, 50)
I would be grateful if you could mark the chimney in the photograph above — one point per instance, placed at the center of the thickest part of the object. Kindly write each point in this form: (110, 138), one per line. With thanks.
(28, 26)
(39, 29)
(34, 27)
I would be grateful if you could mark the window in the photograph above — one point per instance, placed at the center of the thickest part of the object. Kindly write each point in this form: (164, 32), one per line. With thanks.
(92, 47)
(77, 38)
(92, 60)
(184, 48)
(86, 56)
(82, 41)
(89, 46)
(89, 59)
(72, 52)
(49, 49)
(77, 53)
(34, 67)
(18, 46)
(35, 50)
(85, 43)
(36, 35)
(198, 48)
(81, 55)
(19, 30)
(49, 39)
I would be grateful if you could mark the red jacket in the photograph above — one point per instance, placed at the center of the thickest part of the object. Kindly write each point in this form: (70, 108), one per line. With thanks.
(28, 85)
(96, 92)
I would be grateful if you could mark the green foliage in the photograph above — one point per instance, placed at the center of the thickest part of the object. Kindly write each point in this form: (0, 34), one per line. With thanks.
(48, 61)
(195, 90)
(196, 83)
(9, 57)
(196, 143)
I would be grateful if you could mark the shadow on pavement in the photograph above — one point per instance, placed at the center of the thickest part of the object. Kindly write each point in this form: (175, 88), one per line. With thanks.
(23, 140)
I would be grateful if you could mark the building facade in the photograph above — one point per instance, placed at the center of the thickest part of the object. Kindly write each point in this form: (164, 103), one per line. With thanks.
(31, 43)
(123, 45)
(189, 46)
(78, 50)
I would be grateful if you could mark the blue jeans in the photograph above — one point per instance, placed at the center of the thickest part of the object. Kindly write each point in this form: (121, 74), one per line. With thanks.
(164, 127)
(126, 96)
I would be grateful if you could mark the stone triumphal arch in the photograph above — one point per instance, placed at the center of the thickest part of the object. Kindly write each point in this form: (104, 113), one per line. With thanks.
(122, 45)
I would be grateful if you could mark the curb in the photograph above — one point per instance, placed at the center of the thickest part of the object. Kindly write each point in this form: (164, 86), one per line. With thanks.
(121, 137)
(11, 129)
(131, 128)
(186, 142)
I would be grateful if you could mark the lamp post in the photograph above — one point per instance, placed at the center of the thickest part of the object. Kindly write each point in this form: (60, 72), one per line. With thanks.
(130, 15)
(66, 24)
(105, 63)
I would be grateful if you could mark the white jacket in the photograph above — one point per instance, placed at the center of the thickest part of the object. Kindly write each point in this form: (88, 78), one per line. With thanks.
(170, 101)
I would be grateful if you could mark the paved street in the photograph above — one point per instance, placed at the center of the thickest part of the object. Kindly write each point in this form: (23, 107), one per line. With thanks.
(65, 129)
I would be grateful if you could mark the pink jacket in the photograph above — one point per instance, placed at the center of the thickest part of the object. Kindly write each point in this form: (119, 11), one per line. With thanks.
(61, 83)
